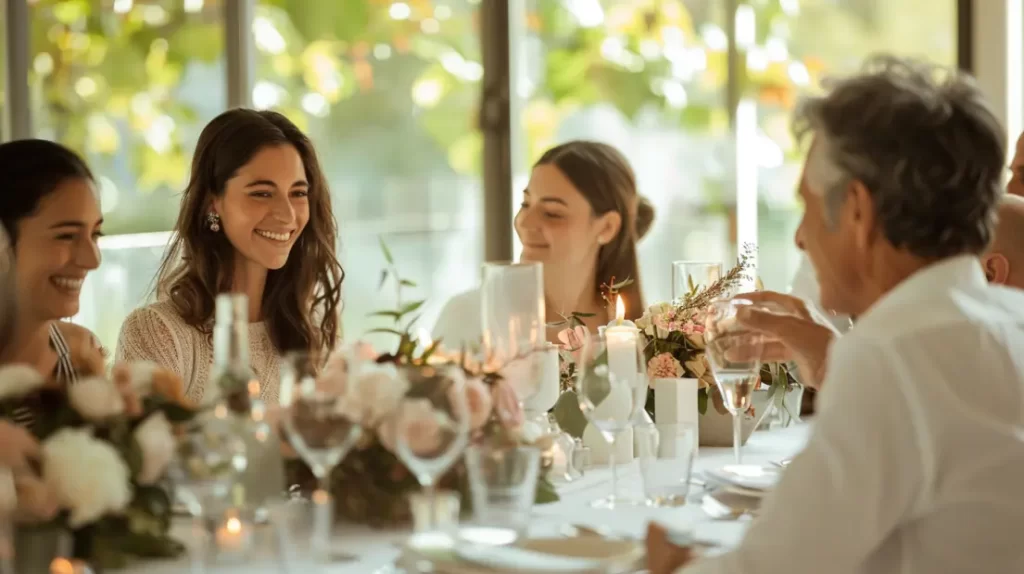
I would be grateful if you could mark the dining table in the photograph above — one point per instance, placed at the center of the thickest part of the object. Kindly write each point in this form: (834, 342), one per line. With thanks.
(374, 551)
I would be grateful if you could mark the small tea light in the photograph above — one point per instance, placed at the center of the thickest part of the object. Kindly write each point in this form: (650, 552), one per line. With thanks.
(234, 536)
(435, 518)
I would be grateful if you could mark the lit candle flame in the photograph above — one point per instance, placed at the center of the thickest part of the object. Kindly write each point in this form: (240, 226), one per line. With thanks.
(620, 309)
(423, 338)
(234, 525)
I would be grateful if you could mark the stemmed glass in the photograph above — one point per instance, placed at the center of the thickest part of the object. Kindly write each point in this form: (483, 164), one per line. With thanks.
(322, 432)
(512, 323)
(431, 423)
(210, 458)
(612, 388)
(734, 355)
(689, 274)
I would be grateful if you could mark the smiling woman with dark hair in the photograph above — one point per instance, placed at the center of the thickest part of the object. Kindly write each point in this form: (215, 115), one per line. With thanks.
(255, 219)
(50, 211)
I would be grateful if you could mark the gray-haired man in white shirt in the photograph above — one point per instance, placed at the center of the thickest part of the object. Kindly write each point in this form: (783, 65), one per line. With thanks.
(916, 462)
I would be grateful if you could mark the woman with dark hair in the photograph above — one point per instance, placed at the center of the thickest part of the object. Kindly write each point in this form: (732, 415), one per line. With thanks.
(255, 219)
(581, 217)
(50, 211)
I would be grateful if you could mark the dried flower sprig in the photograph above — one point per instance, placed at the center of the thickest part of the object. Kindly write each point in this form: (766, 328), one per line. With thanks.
(610, 289)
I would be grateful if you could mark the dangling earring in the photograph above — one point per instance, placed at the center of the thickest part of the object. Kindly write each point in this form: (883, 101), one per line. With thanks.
(213, 220)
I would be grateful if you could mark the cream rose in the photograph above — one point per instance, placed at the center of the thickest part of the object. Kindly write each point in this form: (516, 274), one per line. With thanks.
(375, 394)
(19, 380)
(156, 440)
(96, 399)
(421, 427)
(86, 475)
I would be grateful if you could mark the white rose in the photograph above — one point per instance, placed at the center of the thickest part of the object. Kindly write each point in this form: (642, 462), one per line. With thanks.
(141, 373)
(95, 398)
(155, 439)
(86, 475)
(376, 393)
(19, 380)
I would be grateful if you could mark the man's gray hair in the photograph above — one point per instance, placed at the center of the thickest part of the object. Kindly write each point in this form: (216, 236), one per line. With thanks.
(924, 142)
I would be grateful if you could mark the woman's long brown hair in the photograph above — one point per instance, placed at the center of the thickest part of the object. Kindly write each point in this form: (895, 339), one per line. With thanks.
(604, 177)
(301, 300)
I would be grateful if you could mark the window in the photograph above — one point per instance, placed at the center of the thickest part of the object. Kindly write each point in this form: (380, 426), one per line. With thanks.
(649, 78)
(786, 57)
(389, 94)
(129, 85)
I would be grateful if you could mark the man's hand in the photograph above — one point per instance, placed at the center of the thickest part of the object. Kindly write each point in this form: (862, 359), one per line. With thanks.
(793, 333)
(663, 557)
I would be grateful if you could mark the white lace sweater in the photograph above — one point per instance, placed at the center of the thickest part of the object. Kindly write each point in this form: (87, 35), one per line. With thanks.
(158, 333)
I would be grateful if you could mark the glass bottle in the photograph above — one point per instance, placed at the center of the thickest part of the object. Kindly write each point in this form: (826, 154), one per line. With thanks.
(236, 387)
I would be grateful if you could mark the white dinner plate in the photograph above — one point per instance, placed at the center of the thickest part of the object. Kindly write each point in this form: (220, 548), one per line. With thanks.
(748, 476)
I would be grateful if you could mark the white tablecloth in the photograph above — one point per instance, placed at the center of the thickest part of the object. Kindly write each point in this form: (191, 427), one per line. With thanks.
(377, 549)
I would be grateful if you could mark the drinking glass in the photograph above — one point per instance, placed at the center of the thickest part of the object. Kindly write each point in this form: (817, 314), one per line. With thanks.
(611, 388)
(512, 323)
(690, 275)
(210, 458)
(734, 355)
(431, 422)
(322, 433)
(503, 484)
(666, 459)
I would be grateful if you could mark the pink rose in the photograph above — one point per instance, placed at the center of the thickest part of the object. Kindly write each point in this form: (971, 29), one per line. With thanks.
(479, 401)
(664, 366)
(506, 404)
(417, 424)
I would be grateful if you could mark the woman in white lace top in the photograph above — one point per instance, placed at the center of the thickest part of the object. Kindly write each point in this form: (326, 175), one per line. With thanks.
(256, 219)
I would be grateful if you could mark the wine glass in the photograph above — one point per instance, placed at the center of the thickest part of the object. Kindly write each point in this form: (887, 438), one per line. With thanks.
(512, 323)
(734, 355)
(611, 389)
(693, 274)
(322, 432)
(210, 458)
(431, 423)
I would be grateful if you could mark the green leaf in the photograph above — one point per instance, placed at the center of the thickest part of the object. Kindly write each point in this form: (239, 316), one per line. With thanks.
(396, 315)
(383, 278)
(133, 457)
(411, 306)
(546, 492)
(407, 283)
(430, 350)
(176, 413)
(568, 414)
(702, 401)
(387, 252)
(385, 330)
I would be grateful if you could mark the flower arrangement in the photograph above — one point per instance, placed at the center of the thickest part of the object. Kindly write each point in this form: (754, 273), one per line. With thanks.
(371, 484)
(675, 341)
(106, 443)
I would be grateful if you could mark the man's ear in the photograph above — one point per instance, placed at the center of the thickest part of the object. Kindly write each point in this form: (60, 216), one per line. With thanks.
(859, 207)
(997, 268)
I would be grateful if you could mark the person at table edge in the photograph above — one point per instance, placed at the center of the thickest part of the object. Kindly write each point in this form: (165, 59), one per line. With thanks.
(915, 462)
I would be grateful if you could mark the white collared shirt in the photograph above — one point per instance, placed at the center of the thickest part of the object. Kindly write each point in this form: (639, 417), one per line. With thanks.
(916, 462)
